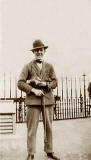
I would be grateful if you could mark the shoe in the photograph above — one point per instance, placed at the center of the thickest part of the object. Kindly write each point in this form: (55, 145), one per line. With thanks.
(53, 156)
(30, 157)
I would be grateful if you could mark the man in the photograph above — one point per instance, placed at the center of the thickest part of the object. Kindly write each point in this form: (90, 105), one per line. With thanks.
(38, 80)
(89, 89)
(89, 92)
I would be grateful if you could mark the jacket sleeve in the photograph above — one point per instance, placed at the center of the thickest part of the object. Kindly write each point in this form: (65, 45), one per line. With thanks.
(52, 84)
(22, 84)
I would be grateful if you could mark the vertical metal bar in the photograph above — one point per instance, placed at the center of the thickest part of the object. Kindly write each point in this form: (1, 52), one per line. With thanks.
(16, 112)
(84, 93)
(55, 110)
(71, 90)
(16, 98)
(65, 107)
(71, 98)
(69, 109)
(87, 108)
(89, 105)
(1, 91)
(10, 85)
(4, 84)
(76, 96)
(15, 87)
(67, 95)
(75, 89)
(74, 109)
(66, 89)
(62, 90)
(60, 110)
(80, 87)
(57, 89)
(80, 102)
(25, 111)
(78, 107)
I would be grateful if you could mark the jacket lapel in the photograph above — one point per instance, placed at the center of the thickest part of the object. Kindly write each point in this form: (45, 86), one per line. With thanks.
(37, 71)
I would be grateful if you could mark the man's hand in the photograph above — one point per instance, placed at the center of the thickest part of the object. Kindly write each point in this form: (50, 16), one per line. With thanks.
(38, 82)
(37, 92)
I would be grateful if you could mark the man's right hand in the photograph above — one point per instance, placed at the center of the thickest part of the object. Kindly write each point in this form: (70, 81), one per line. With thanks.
(37, 92)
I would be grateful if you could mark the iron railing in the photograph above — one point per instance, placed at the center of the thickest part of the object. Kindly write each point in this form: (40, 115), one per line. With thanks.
(71, 97)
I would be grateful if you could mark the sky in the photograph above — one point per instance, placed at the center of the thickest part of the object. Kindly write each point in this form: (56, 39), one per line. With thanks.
(65, 26)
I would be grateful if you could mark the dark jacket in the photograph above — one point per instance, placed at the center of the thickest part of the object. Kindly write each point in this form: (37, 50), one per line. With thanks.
(46, 74)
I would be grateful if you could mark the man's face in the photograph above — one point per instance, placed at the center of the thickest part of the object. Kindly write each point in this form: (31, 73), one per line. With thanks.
(39, 53)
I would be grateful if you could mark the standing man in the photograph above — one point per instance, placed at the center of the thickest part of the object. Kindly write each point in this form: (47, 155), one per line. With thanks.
(89, 89)
(89, 92)
(38, 80)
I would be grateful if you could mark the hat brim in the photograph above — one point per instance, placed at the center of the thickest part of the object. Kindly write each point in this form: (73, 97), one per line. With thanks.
(45, 47)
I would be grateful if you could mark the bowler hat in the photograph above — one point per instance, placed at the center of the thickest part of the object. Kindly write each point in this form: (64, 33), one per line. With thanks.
(38, 44)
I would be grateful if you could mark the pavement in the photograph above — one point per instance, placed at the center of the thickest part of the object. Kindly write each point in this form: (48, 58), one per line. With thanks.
(71, 139)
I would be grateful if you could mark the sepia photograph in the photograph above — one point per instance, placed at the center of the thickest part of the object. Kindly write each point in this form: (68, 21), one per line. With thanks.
(45, 79)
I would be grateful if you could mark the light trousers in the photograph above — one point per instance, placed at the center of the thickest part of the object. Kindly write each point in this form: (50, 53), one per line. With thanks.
(33, 113)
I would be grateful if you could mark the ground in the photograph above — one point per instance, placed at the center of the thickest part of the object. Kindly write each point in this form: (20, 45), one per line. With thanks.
(71, 139)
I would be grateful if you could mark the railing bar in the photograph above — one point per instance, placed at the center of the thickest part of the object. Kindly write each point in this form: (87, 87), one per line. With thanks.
(10, 86)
